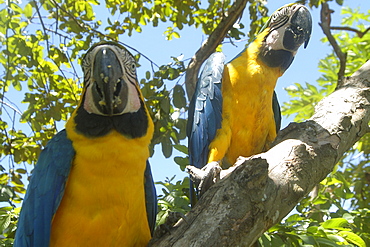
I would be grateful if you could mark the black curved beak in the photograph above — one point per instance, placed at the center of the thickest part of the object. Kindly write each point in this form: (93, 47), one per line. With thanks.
(299, 31)
(109, 88)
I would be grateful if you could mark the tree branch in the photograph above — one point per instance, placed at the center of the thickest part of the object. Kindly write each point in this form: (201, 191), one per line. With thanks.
(325, 26)
(210, 44)
(264, 188)
(358, 32)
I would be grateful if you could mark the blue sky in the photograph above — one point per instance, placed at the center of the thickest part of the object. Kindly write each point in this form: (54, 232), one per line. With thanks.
(153, 44)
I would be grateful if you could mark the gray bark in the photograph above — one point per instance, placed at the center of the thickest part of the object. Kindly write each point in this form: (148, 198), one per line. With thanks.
(260, 190)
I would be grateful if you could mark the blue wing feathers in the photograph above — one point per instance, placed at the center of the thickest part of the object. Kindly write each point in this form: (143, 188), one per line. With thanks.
(205, 110)
(45, 192)
(205, 113)
(277, 112)
(150, 197)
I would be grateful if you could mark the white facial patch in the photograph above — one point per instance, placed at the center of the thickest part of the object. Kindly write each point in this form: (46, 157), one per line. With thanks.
(275, 39)
(133, 101)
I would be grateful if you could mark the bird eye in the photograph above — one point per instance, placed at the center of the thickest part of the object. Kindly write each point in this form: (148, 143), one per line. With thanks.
(133, 66)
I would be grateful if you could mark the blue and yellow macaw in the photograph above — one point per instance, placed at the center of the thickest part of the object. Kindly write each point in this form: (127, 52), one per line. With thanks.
(234, 111)
(92, 184)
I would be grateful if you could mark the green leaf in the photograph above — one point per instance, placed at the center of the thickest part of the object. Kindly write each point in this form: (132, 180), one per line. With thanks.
(28, 11)
(352, 238)
(17, 85)
(181, 148)
(308, 240)
(165, 104)
(5, 193)
(336, 238)
(21, 170)
(175, 35)
(182, 162)
(89, 11)
(166, 148)
(325, 242)
(5, 221)
(340, 2)
(335, 223)
(179, 99)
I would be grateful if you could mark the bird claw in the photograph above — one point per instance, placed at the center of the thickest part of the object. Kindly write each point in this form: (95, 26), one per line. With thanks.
(205, 177)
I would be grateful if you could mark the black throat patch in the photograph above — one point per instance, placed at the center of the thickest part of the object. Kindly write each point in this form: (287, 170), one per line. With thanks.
(276, 58)
(131, 125)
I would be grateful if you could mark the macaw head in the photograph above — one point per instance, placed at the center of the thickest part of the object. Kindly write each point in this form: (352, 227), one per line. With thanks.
(110, 81)
(285, 31)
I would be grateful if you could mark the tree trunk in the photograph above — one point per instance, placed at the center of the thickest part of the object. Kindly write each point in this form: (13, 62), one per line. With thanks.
(262, 189)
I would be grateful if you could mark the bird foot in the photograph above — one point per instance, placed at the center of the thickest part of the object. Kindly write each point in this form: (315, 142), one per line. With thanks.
(205, 177)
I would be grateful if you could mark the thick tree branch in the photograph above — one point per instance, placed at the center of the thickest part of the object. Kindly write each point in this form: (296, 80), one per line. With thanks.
(210, 44)
(264, 188)
(325, 26)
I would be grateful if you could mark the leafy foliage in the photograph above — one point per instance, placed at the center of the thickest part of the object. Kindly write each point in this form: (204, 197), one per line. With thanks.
(175, 198)
(41, 44)
(349, 229)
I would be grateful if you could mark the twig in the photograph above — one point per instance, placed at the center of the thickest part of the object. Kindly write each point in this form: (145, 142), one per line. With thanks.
(2, 102)
(325, 26)
(358, 32)
(210, 44)
(43, 26)
(58, 33)
(141, 54)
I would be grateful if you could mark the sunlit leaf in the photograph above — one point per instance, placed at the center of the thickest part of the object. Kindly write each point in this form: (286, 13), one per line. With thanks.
(352, 238)
(336, 223)
(28, 10)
